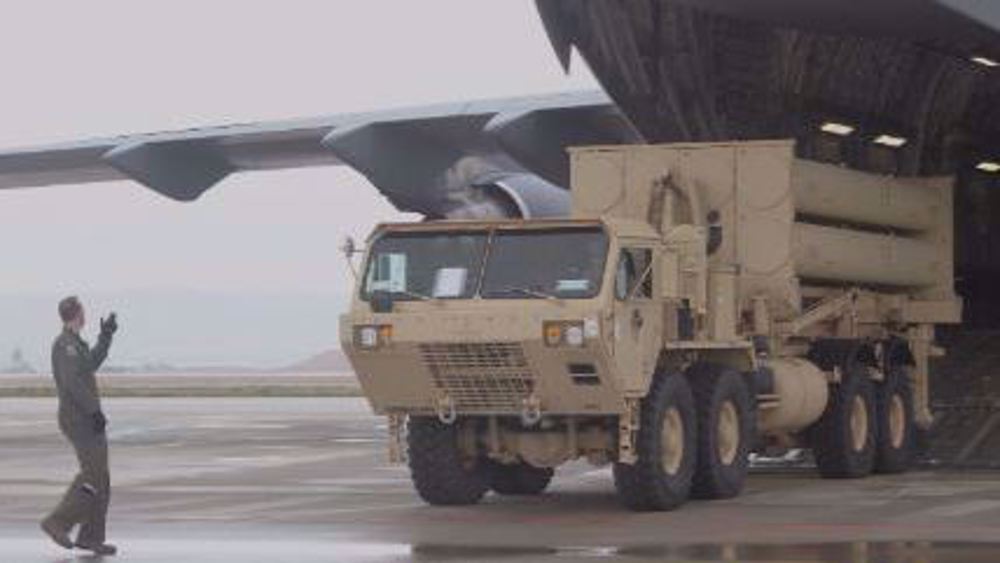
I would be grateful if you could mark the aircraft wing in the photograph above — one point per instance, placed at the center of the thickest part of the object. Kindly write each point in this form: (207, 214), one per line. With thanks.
(504, 156)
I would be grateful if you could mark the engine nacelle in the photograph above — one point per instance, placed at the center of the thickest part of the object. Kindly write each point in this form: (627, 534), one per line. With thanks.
(511, 195)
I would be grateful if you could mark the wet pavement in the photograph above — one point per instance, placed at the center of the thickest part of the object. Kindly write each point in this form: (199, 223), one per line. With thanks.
(306, 480)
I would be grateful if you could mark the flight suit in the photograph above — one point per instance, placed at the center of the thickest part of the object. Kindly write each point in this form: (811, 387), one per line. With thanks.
(74, 365)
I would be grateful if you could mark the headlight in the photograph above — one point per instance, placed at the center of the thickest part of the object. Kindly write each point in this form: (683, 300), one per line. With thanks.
(372, 336)
(574, 335)
(563, 333)
(368, 337)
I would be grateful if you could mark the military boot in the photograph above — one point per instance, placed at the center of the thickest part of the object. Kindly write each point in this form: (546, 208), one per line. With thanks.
(99, 549)
(56, 533)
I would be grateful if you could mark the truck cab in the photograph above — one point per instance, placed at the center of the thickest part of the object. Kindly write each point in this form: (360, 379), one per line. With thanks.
(464, 318)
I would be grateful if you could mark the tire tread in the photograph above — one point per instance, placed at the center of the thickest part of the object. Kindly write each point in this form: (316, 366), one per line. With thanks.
(436, 466)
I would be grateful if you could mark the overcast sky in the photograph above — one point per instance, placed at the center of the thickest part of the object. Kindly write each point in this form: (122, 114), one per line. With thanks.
(74, 70)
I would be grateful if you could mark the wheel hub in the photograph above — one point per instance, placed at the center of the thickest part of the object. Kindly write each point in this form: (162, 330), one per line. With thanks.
(672, 441)
(728, 433)
(859, 424)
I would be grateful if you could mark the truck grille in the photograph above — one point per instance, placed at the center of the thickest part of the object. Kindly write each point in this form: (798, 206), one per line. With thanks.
(480, 377)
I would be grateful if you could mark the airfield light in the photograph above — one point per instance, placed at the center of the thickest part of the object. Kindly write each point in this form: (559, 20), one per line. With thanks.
(890, 141)
(835, 128)
(985, 62)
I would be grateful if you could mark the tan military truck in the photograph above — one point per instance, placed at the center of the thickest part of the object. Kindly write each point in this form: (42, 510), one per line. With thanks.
(703, 302)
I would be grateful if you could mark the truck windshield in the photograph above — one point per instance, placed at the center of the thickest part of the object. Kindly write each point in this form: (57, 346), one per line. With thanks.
(535, 264)
(564, 263)
(426, 265)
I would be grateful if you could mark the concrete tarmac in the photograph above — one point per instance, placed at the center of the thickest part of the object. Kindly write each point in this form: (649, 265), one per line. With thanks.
(255, 480)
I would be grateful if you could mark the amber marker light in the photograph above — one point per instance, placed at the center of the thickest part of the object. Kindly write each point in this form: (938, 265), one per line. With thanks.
(552, 332)
(385, 334)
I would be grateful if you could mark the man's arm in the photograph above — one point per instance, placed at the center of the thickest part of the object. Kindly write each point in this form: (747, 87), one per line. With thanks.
(68, 364)
(100, 352)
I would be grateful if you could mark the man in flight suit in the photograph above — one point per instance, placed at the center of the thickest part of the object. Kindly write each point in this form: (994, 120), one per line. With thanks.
(81, 420)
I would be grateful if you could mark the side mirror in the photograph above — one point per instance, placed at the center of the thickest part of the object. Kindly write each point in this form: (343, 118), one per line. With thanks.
(349, 248)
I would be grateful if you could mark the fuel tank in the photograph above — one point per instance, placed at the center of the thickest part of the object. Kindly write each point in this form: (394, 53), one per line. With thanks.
(799, 397)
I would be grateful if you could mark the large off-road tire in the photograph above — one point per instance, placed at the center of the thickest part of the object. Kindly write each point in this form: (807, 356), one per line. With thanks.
(440, 473)
(843, 439)
(895, 424)
(666, 448)
(726, 430)
(518, 478)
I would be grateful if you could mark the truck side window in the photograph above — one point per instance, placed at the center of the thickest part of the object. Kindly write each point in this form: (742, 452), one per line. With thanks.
(634, 274)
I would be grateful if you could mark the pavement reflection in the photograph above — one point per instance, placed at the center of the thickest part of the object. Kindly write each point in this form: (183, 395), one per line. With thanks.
(847, 552)
(162, 551)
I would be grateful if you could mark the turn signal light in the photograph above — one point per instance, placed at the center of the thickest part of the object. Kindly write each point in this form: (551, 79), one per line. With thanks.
(552, 333)
(385, 334)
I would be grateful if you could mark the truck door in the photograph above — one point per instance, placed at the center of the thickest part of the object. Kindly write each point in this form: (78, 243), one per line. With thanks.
(636, 318)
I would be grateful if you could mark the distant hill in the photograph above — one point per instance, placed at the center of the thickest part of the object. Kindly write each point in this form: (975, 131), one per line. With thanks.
(332, 360)
(329, 361)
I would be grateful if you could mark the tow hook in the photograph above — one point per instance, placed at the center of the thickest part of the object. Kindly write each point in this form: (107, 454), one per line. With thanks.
(446, 410)
(531, 411)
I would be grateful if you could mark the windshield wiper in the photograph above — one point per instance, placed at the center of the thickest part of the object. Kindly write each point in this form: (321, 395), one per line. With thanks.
(405, 292)
(415, 295)
(529, 292)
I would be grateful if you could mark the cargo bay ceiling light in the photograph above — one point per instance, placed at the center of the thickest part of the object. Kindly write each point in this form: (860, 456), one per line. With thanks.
(838, 129)
(987, 166)
(985, 62)
(890, 141)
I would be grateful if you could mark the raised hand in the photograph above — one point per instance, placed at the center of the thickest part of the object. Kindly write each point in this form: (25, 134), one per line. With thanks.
(110, 325)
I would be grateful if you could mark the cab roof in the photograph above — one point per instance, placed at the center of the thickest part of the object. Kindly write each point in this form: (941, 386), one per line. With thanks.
(621, 227)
